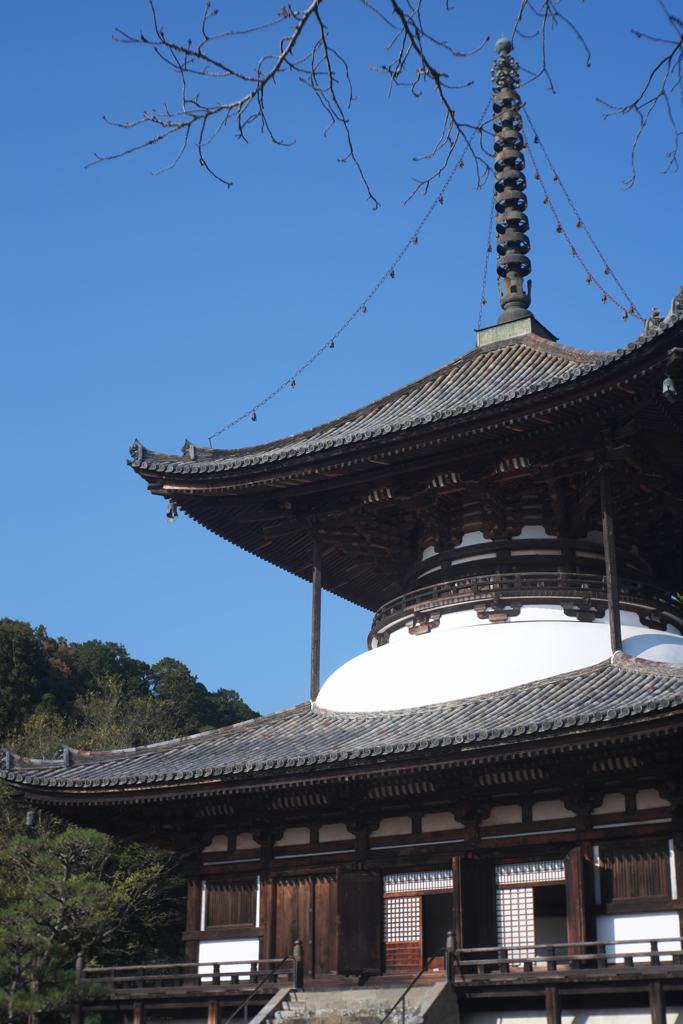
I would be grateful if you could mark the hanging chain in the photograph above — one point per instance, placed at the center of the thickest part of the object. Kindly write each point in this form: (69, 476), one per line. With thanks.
(547, 201)
(580, 223)
(362, 307)
(489, 250)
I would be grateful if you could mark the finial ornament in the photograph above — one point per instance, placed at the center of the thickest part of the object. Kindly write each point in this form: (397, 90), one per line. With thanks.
(512, 222)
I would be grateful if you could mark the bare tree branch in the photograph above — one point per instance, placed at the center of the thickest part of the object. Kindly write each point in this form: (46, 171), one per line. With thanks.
(665, 79)
(418, 60)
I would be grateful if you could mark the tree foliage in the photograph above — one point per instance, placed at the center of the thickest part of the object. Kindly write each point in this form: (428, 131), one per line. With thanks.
(65, 889)
(99, 695)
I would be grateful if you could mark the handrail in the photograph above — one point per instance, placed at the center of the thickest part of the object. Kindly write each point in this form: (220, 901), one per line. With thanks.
(185, 964)
(243, 1005)
(594, 953)
(524, 585)
(152, 975)
(417, 977)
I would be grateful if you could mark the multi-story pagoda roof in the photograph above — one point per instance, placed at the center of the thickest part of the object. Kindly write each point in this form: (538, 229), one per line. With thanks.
(508, 417)
(600, 709)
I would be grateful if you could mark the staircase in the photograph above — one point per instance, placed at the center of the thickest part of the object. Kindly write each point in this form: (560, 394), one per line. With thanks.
(428, 1004)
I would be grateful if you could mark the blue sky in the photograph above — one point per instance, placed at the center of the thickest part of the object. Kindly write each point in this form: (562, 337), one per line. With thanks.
(161, 307)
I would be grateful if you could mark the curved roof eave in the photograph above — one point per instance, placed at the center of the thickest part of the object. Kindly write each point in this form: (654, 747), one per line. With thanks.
(480, 378)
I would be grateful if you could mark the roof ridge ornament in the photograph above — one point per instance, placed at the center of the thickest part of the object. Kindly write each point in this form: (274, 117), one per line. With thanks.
(512, 222)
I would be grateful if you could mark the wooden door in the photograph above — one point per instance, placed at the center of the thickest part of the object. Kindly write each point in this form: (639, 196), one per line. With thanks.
(325, 925)
(359, 921)
(293, 918)
(474, 903)
(306, 909)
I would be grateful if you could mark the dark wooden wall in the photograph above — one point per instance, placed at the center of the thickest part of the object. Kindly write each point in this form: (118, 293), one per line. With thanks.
(635, 871)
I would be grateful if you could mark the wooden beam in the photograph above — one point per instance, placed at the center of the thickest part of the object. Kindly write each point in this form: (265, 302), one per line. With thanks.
(316, 576)
(610, 559)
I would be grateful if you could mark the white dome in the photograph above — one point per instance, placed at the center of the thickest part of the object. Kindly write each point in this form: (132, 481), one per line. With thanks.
(466, 656)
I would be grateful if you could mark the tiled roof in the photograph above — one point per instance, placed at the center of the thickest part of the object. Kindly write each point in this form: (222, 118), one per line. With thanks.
(479, 379)
(306, 735)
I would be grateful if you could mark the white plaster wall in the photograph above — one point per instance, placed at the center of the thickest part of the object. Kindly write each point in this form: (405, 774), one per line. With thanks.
(333, 832)
(546, 810)
(441, 821)
(402, 826)
(243, 951)
(647, 798)
(294, 837)
(509, 814)
(638, 926)
(219, 844)
(466, 656)
(245, 841)
(614, 803)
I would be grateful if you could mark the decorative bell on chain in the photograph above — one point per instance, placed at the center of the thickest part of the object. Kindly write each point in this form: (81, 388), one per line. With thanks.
(669, 390)
(172, 512)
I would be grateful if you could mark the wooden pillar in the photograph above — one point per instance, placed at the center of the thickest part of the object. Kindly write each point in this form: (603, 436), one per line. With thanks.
(77, 1014)
(213, 1015)
(610, 559)
(316, 577)
(553, 1008)
(194, 910)
(139, 1014)
(657, 1006)
(580, 898)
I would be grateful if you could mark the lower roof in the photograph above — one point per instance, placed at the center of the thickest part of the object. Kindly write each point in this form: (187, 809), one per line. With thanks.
(293, 740)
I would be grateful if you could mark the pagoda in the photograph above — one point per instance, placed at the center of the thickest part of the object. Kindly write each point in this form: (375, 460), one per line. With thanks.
(486, 803)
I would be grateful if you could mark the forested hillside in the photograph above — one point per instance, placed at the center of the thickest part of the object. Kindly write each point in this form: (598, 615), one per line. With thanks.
(65, 889)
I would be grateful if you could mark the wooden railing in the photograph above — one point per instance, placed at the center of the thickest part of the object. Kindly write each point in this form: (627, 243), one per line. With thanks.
(252, 974)
(564, 956)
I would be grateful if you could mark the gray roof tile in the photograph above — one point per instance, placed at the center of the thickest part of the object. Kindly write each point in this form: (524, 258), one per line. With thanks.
(306, 734)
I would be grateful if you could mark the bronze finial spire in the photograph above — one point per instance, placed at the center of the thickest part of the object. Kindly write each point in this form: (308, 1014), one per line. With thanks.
(511, 219)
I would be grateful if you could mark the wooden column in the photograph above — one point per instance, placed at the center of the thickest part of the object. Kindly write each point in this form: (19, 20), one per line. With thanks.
(316, 577)
(553, 1009)
(610, 559)
(139, 1014)
(580, 898)
(194, 910)
(657, 1006)
(213, 1015)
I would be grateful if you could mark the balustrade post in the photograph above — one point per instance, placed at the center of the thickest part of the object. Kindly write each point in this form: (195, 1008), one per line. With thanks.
(449, 956)
(216, 976)
(505, 965)
(602, 959)
(654, 952)
(298, 966)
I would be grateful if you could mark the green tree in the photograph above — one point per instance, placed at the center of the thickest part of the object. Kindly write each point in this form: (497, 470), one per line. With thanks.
(65, 889)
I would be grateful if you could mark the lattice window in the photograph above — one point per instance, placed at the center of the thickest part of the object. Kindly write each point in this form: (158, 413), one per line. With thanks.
(402, 919)
(419, 881)
(515, 912)
(532, 871)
